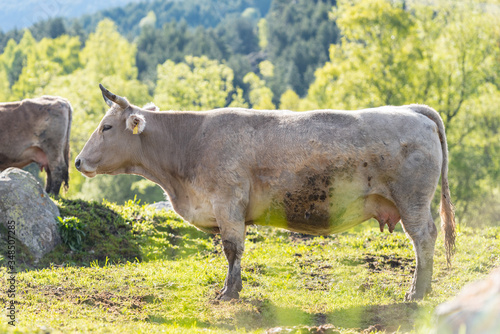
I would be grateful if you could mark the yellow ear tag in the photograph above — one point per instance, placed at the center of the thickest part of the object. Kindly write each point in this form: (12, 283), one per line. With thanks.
(136, 129)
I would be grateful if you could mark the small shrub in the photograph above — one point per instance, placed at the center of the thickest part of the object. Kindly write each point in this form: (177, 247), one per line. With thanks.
(71, 230)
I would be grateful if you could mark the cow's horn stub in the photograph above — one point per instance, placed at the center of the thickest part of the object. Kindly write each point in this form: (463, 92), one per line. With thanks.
(104, 93)
(110, 97)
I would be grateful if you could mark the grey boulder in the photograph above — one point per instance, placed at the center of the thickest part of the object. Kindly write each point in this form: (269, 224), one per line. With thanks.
(24, 201)
(476, 309)
(162, 205)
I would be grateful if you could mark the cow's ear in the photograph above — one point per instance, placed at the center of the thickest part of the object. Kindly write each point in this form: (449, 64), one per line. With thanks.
(136, 123)
(151, 107)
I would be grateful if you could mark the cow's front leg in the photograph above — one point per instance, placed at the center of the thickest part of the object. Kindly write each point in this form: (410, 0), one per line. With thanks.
(232, 284)
(232, 229)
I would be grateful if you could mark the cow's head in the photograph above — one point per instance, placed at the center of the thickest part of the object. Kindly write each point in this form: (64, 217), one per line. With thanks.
(113, 147)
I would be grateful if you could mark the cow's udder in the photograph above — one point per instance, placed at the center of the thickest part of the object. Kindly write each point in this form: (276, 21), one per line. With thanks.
(384, 211)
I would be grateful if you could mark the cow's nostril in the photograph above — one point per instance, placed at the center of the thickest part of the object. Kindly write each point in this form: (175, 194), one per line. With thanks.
(78, 163)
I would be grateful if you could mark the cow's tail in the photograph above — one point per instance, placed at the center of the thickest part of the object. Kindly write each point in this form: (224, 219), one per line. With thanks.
(66, 149)
(447, 210)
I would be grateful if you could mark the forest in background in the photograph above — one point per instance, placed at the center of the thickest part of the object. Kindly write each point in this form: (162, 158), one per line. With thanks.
(300, 55)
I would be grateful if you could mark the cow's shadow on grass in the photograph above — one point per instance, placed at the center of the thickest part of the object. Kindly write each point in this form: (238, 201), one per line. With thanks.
(392, 317)
(253, 314)
(387, 317)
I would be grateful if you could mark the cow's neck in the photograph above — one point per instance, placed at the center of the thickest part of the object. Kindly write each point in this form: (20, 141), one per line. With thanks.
(166, 158)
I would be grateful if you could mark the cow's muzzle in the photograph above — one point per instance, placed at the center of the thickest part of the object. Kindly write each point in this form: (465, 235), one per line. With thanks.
(82, 167)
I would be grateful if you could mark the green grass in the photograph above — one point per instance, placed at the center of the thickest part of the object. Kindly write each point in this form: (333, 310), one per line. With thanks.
(142, 271)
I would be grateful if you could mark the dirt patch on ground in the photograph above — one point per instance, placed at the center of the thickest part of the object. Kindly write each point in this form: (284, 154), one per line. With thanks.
(373, 329)
(378, 263)
(300, 237)
(316, 272)
(111, 302)
(323, 329)
(102, 299)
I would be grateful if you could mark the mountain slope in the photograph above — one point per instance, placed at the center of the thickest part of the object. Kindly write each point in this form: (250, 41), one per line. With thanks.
(24, 13)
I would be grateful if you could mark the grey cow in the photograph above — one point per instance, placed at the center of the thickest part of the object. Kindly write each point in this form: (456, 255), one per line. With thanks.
(316, 172)
(37, 130)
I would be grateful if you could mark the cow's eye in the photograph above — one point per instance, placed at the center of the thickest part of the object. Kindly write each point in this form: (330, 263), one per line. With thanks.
(106, 127)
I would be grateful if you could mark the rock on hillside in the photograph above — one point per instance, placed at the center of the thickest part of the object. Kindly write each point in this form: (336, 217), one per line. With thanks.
(24, 201)
(475, 310)
(162, 205)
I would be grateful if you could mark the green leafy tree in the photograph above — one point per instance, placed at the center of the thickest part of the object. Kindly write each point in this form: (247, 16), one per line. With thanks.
(46, 60)
(289, 100)
(14, 58)
(390, 55)
(263, 32)
(266, 69)
(261, 96)
(148, 21)
(108, 53)
(196, 84)
(373, 61)
(474, 141)
(4, 84)
(238, 101)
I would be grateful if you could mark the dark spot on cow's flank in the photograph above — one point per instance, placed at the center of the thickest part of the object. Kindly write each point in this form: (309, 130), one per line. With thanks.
(305, 208)
(311, 180)
(407, 149)
(326, 180)
(365, 164)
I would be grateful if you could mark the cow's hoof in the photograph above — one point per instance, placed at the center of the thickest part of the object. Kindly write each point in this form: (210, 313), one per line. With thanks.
(226, 296)
(412, 296)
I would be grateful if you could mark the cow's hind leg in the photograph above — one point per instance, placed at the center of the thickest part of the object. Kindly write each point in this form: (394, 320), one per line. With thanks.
(57, 174)
(48, 182)
(423, 233)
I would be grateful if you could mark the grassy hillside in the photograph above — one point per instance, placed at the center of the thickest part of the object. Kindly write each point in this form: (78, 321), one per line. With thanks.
(146, 271)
